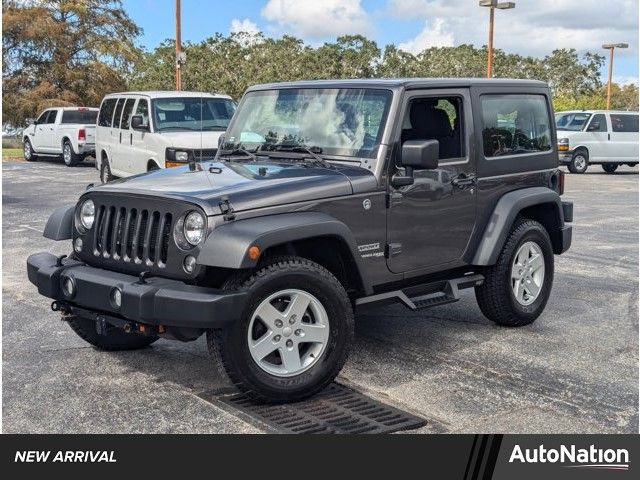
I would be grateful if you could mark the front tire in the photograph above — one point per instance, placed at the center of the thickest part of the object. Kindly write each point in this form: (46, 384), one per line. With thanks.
(516, 289)
(294, 334)
(105, 172)
(114, 339)
(29, 154)
(609, 167)
(579, 162)
(71, 159)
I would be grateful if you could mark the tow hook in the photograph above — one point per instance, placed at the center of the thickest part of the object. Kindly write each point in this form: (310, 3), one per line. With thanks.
(59, 260)
(60, 307)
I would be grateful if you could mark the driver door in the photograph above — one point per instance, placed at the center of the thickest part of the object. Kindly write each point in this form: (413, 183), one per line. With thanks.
(429, 223)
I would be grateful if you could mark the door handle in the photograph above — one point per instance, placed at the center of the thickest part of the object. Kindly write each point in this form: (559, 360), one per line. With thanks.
(131, 139)
(120, 141)
(464, 180)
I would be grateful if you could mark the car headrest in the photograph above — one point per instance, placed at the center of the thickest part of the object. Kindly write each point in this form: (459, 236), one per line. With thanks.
(434, 122)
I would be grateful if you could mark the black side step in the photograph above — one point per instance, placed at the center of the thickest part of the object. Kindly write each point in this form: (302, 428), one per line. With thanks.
(422, 296)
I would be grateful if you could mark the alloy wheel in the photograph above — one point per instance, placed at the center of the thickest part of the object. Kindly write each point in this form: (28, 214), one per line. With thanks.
(527, 273)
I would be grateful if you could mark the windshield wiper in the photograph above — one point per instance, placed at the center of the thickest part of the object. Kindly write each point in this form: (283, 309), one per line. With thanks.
(238, 151)
(313, 152)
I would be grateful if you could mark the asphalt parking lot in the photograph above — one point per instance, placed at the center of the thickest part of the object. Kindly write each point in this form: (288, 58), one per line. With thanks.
(574, 370)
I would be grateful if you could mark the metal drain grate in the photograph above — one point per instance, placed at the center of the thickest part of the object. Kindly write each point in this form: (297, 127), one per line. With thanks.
(337, 409)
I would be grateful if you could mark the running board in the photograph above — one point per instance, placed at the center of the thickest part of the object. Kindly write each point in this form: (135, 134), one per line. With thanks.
(423, 296)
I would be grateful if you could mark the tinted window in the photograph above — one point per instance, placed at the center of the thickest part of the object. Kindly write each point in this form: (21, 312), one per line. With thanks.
(598, 124)
(143, 110)
(85, 117)
(126, 113)
(43, 117)
(106, 112)
(51, 118)
(624, 123)
(515, 125)
(118, 112)
(574, 121)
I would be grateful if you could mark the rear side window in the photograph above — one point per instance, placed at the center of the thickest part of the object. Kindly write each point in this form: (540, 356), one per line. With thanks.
(515, 124)
(116, 116)
(624, 123)
(126, 113)
(598, 124)
(106, 112)
(85, 117)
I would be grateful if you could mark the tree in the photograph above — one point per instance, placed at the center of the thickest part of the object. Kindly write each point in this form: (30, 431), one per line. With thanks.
(62, 52)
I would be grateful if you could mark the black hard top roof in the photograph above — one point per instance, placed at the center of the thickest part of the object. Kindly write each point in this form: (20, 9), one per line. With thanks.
(408, 83)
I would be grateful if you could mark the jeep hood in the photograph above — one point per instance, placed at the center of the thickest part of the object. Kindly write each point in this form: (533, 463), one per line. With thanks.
(246, 185)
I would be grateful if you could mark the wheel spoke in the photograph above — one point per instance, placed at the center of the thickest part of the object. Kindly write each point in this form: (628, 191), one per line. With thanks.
(517, 290)
(533, 289)
(290, 358)
(314, 333)
(263, 346)
(298, 306)
(269, 314)
(536, 262)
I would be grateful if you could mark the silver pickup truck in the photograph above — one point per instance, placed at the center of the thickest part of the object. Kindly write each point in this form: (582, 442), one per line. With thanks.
(69, 132)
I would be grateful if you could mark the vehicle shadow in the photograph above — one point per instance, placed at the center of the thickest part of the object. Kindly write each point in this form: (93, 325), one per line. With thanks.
(89, 162)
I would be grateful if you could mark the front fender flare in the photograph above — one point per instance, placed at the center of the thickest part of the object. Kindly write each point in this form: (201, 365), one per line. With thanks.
(228, 244)
(60, 224)
(504, 214)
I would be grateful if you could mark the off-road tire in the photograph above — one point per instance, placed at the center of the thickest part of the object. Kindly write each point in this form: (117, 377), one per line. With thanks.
(32, 157)
(105, 172)
(69, 157)
(229, 345)
(577, 166)
(115, 339)
(495, 296)
(609, 167)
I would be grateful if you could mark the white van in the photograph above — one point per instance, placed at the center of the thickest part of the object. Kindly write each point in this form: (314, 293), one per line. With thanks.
(605, 137)
(142, 131)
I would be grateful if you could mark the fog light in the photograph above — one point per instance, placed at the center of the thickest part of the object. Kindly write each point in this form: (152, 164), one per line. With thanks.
(189, 264)
(68, 287)
(77, 245)
(116, 297)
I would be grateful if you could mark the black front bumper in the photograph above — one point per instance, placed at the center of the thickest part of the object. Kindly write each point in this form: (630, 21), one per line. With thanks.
(158, 301)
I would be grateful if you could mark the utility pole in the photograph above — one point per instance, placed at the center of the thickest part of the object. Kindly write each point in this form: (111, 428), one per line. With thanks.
(493, 4)
(179, 54)
(611, 47)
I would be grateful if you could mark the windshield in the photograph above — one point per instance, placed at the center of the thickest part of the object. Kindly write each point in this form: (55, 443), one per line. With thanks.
(345, 121)
(574, 121)
(192, 113)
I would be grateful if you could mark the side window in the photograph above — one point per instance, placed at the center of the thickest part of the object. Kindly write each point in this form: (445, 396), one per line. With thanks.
(126, 113)
(436, 118)
(598, 124)
(51, 118)
(624, 123)
(515, 124)
(43, 117)
(106, 112)
(118, 112)
(143, 110)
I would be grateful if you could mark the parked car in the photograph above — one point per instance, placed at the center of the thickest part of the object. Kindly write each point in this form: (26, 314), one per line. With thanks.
(143, 131)
(607, 138)
(270, 247)
(65, 131)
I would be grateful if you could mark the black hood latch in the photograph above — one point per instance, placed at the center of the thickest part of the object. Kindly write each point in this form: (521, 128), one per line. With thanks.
(227, 209)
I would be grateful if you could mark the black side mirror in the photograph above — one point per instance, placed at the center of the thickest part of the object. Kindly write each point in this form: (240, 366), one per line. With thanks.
(417, 155)
(137, 123)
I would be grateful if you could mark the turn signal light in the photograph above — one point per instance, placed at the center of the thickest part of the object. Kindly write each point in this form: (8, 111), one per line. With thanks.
(170, 164)
(563, 147)
(254, 252)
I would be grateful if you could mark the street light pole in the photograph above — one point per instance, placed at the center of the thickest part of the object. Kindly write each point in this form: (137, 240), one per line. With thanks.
(178, 49)
(493, 4)
(611, 47)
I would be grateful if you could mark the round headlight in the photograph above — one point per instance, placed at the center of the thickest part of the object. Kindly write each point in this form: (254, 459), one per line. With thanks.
(194, 228)
(87, 214)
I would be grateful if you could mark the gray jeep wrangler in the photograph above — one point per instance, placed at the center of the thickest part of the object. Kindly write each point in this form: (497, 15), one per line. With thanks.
(324, 198)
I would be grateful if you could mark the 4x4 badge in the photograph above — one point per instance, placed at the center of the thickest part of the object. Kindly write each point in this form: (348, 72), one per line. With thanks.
(366, 204)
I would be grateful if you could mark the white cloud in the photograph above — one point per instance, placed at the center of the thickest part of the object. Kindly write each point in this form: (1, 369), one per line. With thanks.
(625, 79)
(317, 18)
(245, 25)
(434, 34)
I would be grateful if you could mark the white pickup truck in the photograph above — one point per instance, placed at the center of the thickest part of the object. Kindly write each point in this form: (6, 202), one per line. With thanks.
(69, 132)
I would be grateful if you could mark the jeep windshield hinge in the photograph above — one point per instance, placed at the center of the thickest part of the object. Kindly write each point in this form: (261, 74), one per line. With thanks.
(393, 249)
(394, 198)
(227, 209)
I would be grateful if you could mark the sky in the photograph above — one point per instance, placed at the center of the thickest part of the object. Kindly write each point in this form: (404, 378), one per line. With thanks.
(534, 27)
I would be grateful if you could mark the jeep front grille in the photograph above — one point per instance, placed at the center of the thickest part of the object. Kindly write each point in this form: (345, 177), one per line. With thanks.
(133, 235)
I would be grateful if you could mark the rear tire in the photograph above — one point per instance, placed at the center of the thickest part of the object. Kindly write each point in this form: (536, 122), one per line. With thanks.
(609, 167)
(497, 296)
(115, 339)
(29, 154)
(579, 162)
(275, 377)
(71, 159)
